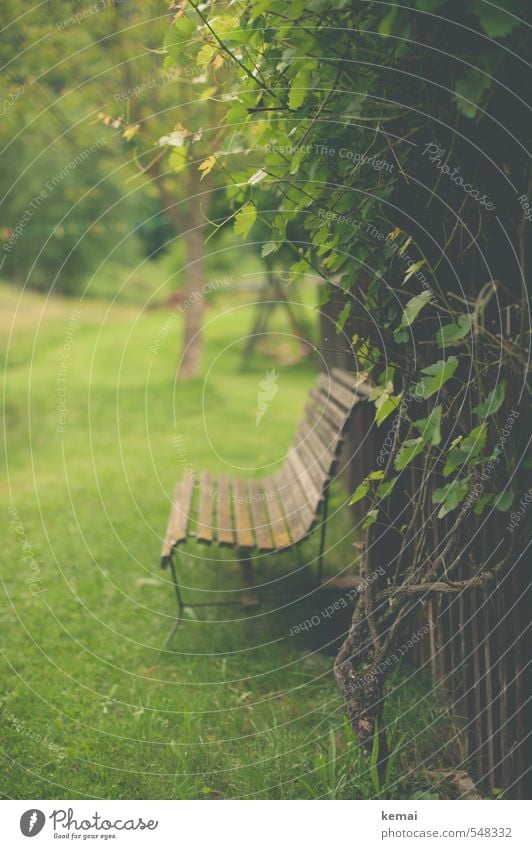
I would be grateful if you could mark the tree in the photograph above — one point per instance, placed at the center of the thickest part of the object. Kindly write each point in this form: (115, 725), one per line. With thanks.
(174, 162)
(101, 102)
(57, 176)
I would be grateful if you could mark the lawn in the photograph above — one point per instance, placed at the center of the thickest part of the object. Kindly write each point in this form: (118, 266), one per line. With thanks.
(91, 704)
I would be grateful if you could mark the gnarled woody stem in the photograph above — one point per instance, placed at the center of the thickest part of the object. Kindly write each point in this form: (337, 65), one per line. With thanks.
(361, 689)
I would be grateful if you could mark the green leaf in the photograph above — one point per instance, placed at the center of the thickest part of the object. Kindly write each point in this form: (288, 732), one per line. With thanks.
(360, 492)
(376, 476)
(454, 332)
(479, 506)
(395, 25)
(236, 115)
(385, 402)
(257, 177)
(414, 307)
(178, 159)
(385, 489)
(370, 519)
(466, 450)
(245, 219)
(449, 496)
(386, 25)
(387, 377)
(299, 88)
(430, 427)
(384, 406)
(413, 269)
(177, 41)
(494, 21)
(269, 248)
(504, 501)
(493, 402)
(438, 374)
(207, 52)
(401, 335)
(410, 449)
(228, 27)
(373, 762)
(344, 315)
(469, 91)
(367, 355)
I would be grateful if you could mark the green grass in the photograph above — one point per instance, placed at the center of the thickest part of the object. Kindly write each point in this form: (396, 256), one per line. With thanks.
(91, 706)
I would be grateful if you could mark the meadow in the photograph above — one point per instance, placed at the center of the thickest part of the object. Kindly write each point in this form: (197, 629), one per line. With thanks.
(92, 705)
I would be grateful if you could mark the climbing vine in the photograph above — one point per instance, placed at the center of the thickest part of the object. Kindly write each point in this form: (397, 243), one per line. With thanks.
(385, 145)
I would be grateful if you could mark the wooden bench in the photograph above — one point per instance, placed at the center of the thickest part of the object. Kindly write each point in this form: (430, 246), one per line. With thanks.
(274, 513)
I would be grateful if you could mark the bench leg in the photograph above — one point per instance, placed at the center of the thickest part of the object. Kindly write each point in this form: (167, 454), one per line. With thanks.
(322, 535)
(179, 601)
(250, 597)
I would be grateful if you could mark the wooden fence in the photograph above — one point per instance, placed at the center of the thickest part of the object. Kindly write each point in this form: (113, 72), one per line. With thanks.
(478, 649)
(477, 653)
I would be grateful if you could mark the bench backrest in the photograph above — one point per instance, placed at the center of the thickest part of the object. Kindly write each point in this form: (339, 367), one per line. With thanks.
(311, 463)
(278, 511)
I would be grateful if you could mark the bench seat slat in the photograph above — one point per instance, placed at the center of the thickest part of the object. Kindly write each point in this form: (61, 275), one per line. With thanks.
(244, 533)
(306, 506)
(311, 493)
(261, 523)
(295, 512)
(224, 532)
(176, 531)
(291, 508)
(331, 411)
(355, 384)
(337, 391)
(330, 435)
(312, 466)
(280, 530)
(204, 532)
(322, 453)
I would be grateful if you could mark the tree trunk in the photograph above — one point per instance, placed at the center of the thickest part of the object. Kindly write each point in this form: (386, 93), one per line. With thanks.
(192, 300)
(193, 304)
